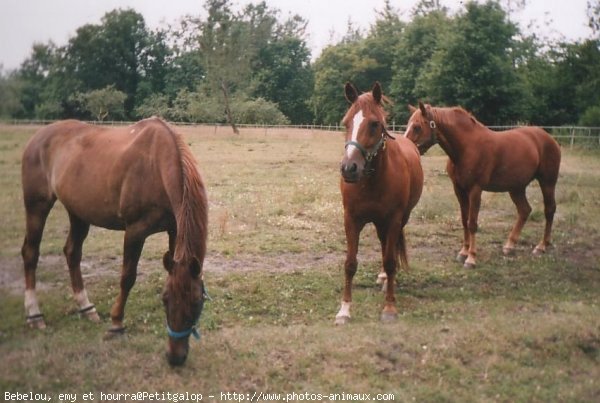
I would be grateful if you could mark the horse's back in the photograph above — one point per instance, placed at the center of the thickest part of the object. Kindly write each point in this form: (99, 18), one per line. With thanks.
(116, 170)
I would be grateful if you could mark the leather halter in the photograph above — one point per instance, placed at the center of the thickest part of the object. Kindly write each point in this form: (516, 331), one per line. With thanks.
(369, 154)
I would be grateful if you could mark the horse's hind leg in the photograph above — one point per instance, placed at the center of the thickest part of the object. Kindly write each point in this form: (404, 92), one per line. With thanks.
(36, 214)
(77, 234)
(523, 210)
(549, 210)
(463, 201)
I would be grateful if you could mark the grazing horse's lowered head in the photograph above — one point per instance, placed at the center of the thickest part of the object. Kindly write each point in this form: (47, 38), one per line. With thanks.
(183, 298)
(366, 132)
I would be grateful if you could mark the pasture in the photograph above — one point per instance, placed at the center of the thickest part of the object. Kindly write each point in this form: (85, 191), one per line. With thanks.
(518, 328)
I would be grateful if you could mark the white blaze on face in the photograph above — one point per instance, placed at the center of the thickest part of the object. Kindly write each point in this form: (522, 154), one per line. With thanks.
(356, 122)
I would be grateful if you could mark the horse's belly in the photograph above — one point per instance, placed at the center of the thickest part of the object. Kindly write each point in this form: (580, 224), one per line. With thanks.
(95, 212)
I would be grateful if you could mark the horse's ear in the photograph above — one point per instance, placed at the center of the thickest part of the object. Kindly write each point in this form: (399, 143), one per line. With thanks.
(411, 109)
(351, 92)
(195, 267)
(377, 93)
(423, 109)
(168, 261)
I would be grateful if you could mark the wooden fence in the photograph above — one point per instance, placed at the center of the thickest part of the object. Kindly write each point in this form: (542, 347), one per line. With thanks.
(571, 136)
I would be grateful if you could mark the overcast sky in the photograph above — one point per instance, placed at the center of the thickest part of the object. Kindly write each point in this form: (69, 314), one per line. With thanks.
(23, 22)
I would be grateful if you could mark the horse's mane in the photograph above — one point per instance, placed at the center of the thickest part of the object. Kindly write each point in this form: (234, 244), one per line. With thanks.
(367, 104)
(453, 116)
(191, 218)
(192, 215)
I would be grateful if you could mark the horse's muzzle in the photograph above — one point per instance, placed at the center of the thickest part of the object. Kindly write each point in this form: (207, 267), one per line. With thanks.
(350, 172)
(177, 353)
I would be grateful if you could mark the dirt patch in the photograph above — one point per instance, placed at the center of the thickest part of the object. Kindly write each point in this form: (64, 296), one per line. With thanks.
(52, 269)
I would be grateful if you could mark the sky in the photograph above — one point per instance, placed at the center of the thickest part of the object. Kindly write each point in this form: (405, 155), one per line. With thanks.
(24, 22)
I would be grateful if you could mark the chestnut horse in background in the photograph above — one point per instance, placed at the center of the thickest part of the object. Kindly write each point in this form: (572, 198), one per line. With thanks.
(481, 159)
(382, 180)
(140, 179)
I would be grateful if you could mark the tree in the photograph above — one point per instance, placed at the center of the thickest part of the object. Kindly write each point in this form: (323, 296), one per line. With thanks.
(283, 75)
(120, 52)
(226, 52)
(103, 103)
(420, 41)
(473, 66)
(336, 65)
(10, 94)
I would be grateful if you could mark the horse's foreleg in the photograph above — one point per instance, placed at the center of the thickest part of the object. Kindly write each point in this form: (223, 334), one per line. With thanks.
(350, 266)
(36, 214)
(133, 244)
(523, 211)
(549, 210)
(463, 201)
(77, 234)
(474, 204)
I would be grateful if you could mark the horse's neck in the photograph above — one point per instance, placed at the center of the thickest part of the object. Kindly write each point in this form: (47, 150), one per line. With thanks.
(455, 133)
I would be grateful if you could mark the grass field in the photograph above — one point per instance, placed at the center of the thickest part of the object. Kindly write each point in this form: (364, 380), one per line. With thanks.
(516, 328)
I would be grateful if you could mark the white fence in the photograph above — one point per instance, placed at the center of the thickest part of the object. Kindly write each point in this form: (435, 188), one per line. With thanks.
(586, 137)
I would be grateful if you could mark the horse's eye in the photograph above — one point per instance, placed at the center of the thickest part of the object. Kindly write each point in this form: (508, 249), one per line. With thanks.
(417, 129)
(374, 126)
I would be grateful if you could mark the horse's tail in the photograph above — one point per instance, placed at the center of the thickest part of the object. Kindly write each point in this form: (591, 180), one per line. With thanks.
(402, 251)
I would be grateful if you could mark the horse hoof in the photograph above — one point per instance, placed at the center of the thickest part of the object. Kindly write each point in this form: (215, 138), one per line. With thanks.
(508, 251)
(37, 324)
(342, 320)
(460, 258)
(381, 279)
(469, 265)
(93, 316)
(114, 332)
(538, 251)
(388, 317)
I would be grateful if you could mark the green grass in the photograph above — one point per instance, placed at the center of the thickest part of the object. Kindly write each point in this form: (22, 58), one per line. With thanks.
(517, 328)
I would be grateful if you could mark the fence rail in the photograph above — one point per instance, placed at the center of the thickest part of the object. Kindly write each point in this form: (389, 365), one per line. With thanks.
(580, 136)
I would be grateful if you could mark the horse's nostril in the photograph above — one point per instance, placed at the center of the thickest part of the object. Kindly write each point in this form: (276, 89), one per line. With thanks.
(353, 168)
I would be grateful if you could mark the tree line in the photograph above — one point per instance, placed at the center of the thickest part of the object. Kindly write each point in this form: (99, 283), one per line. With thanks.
(253, 66)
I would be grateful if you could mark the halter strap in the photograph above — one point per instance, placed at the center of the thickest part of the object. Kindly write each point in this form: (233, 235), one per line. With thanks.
(193, 330)
(433, 140)
(184, 333)
(369, 154)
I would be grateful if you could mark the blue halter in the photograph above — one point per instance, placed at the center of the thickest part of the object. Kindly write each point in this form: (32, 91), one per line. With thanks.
(194, 331)
(185, 333)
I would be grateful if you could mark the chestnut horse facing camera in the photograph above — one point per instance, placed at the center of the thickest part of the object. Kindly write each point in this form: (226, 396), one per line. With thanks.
(140, 179)
(481, 159)
(381, 182)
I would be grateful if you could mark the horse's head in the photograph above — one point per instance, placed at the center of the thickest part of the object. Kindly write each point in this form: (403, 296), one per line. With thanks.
(365, 131)
(421, 128)
(183, 298)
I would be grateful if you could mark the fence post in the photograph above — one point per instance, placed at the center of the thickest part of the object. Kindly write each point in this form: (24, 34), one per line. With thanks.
(572, 136)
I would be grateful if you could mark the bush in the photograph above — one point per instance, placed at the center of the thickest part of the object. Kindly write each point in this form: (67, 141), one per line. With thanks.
(257, 111)
(591, 117)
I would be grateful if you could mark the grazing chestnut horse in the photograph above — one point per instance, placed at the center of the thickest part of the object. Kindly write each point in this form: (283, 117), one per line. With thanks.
(382, 180)
(140, 179)
(481, 159)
